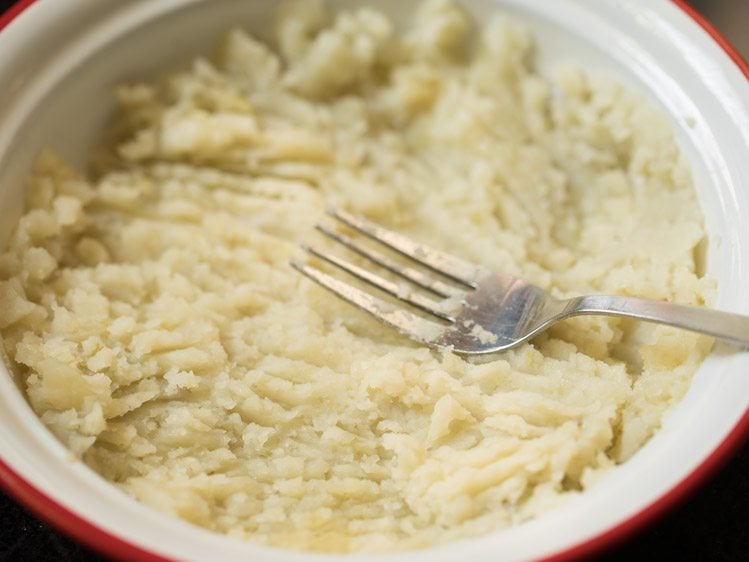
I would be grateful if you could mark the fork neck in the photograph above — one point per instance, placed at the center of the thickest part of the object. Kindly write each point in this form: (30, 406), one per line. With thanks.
(727, 326)
(630, 307)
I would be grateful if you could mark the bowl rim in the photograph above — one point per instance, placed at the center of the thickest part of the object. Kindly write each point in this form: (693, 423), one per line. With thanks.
(89, 534)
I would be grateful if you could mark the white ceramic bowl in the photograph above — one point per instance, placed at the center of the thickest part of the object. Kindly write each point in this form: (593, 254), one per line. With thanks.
(58, 64)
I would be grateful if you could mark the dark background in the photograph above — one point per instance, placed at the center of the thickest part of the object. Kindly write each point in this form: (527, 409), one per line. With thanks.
(712, 524)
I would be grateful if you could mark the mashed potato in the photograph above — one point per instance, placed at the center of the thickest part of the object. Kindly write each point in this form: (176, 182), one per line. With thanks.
(160, 333)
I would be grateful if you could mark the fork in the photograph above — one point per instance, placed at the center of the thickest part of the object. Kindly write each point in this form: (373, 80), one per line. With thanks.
(470, 309)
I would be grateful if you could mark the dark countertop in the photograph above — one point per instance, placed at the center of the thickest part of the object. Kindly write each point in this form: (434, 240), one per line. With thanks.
(712, 524)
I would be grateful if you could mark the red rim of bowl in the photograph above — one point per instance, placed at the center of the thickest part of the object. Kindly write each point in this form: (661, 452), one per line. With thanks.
(104, 542)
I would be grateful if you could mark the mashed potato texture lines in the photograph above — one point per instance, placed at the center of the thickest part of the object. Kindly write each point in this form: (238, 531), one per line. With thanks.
(158, 331)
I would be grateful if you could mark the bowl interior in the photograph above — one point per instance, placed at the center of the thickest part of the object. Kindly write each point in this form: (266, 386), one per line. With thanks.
(62, 61)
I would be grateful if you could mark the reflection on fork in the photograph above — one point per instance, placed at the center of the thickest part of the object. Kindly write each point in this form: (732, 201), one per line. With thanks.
(448, 303)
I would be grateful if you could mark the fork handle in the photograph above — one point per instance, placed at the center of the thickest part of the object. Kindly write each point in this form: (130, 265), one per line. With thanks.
(727, 326)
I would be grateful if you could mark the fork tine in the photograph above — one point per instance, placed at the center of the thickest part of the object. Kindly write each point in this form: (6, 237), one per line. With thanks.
(457, 269)
(414, 275)
(406, 322)
(402, 293)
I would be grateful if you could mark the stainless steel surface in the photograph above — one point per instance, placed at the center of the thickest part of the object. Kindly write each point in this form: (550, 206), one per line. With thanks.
(482, 311)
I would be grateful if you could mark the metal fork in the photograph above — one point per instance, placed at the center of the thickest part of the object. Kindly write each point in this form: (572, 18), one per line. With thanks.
(471, 310)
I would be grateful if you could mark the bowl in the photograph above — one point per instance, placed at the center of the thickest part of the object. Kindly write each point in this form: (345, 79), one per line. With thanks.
(59, 62)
